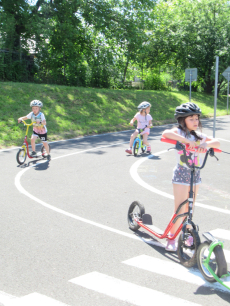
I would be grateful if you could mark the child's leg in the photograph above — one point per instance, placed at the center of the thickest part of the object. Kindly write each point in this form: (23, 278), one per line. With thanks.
(145, 139)
(45, 143)
(33, 138)
(133, 136)
(181, 193)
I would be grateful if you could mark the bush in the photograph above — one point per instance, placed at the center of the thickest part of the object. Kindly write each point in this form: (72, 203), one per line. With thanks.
(155, 81)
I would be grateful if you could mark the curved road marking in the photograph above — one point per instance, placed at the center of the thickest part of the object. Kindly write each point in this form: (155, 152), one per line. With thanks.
(63, 212)
(138, 180)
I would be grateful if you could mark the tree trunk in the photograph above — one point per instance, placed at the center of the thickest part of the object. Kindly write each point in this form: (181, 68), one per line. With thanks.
(126, 67)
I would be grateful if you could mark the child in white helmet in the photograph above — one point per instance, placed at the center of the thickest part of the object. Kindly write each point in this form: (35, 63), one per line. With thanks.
(39, 126)
(144, 121)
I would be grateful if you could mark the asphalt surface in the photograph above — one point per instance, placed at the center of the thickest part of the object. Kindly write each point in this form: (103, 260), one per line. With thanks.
(68, 218)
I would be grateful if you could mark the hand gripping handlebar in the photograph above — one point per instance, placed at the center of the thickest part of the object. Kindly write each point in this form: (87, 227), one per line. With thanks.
(172, 141)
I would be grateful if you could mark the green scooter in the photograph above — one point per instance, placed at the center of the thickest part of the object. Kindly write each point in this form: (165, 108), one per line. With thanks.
(211, 261)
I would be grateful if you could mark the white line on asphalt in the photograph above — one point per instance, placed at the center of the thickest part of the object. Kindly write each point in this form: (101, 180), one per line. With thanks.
(221, 233)
(134, 174)
(5, 297)
(75, 139)
(26, 193)
(173, 270)
(126, 291)
(34, 299)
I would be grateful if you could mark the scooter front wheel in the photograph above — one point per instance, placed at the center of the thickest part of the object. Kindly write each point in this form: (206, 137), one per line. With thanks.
(136, 209)
(202, 254)
(188, 255)
(21, 156)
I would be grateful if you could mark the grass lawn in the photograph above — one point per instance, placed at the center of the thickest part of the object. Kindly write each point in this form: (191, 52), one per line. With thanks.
(77, 111)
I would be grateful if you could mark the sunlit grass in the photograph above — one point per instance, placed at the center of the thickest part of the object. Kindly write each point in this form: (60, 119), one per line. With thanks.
(76, 111)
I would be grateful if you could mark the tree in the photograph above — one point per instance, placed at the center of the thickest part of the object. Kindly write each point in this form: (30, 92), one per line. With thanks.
(192, 33)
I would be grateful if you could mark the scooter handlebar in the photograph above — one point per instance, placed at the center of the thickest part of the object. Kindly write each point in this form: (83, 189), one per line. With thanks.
(172, 141)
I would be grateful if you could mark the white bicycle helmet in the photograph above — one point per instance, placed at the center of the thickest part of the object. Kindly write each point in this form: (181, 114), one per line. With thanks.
(36, 103)
(143, 105)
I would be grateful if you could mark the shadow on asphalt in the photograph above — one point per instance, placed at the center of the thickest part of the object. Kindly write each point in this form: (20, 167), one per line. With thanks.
(38, 165)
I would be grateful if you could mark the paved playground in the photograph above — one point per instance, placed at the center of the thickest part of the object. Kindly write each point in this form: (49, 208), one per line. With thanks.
(64, 232)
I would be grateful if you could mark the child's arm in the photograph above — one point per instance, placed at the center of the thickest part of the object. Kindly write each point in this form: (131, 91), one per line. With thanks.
(210, 142)
(22, 118)
(132, 121)
(150, 124)
(172, 134)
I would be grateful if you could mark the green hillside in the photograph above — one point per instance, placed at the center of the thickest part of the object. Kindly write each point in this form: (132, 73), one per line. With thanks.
(77, 111)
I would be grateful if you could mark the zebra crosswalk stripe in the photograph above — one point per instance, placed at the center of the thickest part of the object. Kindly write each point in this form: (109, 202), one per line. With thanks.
(221, 233)
(126, 291)
(170, 269)
(33, 299)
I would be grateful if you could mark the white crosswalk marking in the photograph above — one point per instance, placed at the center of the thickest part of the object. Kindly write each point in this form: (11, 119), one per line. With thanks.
(171, 269)
(4, 298)
(128, 292)
(227, 255)
(221, 233)
(33, 299)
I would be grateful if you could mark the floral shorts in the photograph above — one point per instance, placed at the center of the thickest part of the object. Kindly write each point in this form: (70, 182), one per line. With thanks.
(182, 176)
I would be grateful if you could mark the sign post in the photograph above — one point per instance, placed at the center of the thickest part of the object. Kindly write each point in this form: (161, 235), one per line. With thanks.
(190, 76)
(226, 74)
(215, 99)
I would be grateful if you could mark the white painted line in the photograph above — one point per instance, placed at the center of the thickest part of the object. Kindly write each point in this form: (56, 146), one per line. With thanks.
(221, 233)
(127, 292)
(34, 299)
(134, 174)
(76, 139)
(170, 269)
(63, 212)
(5, 297)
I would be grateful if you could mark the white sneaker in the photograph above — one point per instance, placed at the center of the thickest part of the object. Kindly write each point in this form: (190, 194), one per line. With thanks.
(171, 245)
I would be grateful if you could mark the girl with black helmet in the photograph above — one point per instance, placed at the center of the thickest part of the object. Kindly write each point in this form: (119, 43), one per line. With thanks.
(39, 126)
(188, 118)
(144, 121)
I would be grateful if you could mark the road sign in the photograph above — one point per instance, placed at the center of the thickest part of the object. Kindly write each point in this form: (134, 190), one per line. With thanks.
(190, 74)
(226, 73)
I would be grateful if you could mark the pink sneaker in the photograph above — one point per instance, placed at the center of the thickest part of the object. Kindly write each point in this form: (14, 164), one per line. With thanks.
(148, 149)
(128, 151)
(189, 241)
(171, 245)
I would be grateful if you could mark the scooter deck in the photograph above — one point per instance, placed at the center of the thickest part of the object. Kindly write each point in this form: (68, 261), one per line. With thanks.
(147, 221)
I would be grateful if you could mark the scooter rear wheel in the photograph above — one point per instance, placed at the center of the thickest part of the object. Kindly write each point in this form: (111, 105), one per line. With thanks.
(202, 254)
(21, 156)
(188, 255)
(136, 148)
(43, 150)
(135, 209)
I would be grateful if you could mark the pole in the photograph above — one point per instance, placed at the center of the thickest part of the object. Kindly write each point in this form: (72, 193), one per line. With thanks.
(215, 99)
(228, 93)
(190, 85)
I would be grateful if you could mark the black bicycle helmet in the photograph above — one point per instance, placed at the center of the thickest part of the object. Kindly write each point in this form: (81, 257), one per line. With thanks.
(187, 109)
(143, 105)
